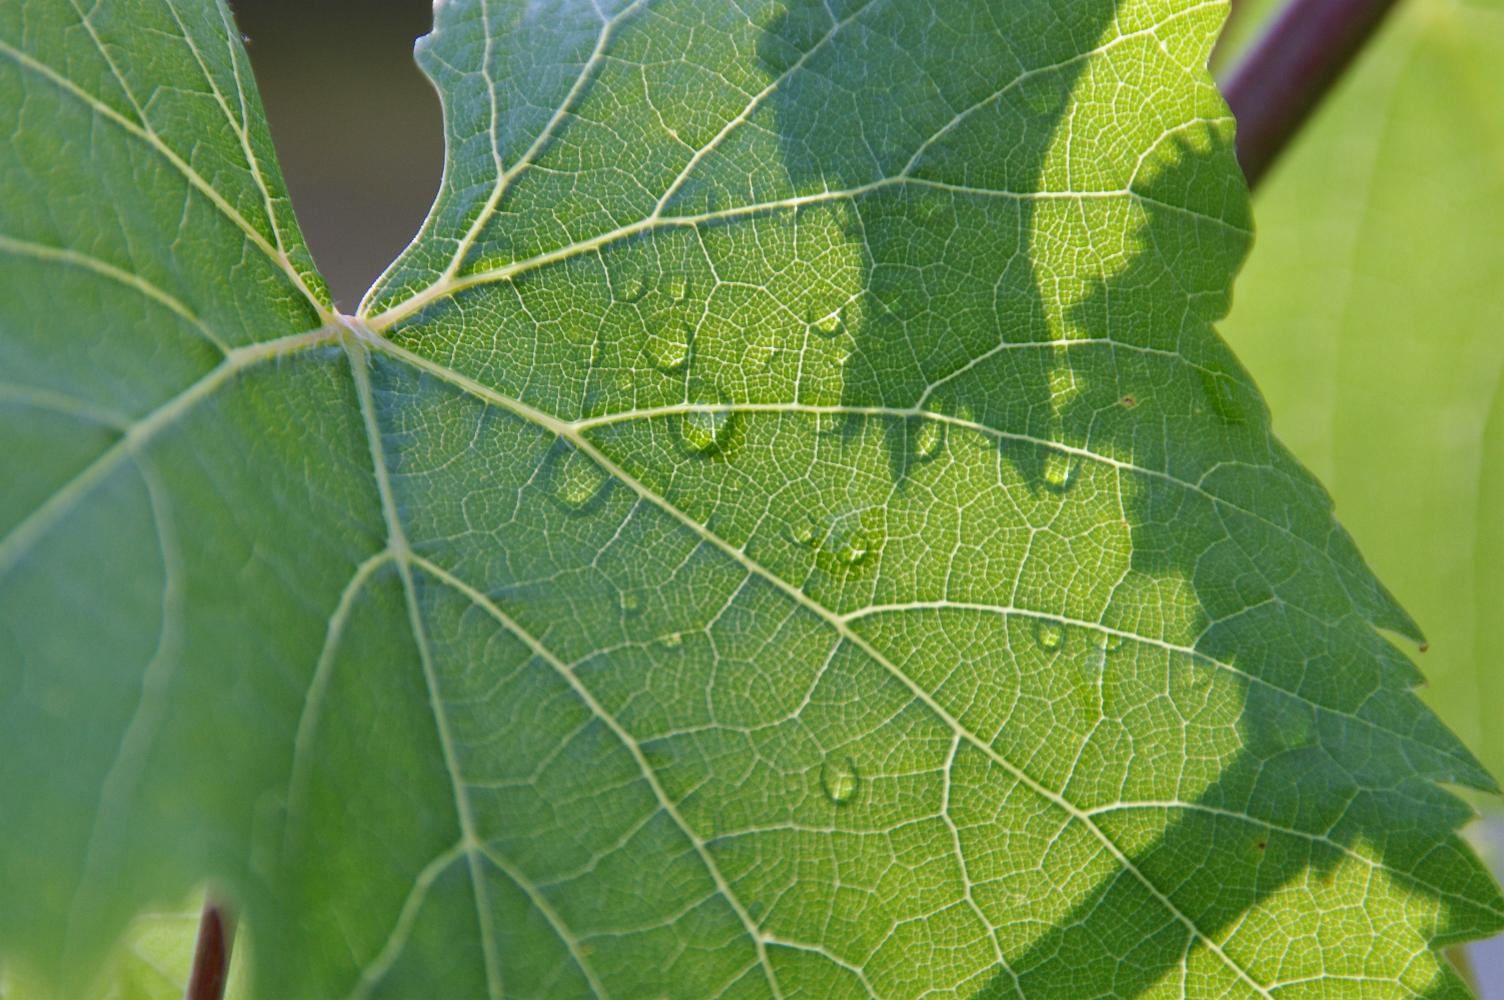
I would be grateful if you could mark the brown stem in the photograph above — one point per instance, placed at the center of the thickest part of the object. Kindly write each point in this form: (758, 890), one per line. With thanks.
(211, 955)
(1287, 72)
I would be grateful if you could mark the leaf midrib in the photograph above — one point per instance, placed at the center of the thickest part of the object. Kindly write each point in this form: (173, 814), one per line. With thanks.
(446, 287)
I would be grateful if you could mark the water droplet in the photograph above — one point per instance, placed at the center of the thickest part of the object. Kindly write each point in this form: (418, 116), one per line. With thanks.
(854, 548)
(704, 430)
(671, 641)
(928, 436)
(840, 779)
(1048, 634)
(1295, 728)
(1059, 470)
(1113, 642)
(670, 352)
(1222, 396)
(848, 542)
(630, 287)
(831, 323)
(801, 530)
(577, 479)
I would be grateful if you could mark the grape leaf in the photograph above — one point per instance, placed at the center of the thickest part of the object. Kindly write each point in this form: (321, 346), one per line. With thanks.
(1377, 267)
(786, 527)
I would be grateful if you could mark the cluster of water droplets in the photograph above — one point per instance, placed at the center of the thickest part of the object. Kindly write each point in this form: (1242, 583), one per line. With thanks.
(844, 539)
(1051, 636)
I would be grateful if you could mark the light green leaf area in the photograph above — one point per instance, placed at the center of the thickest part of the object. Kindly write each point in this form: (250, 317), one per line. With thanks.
(1369, 313)
(786, 528)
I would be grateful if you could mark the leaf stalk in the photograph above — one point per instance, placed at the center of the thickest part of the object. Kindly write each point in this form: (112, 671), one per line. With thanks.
(1283, 77)
(211, 953)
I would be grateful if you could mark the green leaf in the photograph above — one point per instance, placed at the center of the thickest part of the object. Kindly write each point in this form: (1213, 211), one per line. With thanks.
(786, 527)
(1368, 313)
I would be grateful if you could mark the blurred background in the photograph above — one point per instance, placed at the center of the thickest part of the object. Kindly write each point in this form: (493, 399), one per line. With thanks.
(1369, 312)
(356, 123)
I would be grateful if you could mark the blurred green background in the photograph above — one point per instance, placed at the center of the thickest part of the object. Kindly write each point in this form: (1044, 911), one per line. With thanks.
(357, 125)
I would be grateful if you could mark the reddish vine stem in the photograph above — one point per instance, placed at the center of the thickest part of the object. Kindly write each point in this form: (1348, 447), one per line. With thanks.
(211, 954)
(1283, 77)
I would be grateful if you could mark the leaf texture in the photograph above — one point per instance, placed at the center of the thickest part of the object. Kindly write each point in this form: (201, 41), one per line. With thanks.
(786, 527)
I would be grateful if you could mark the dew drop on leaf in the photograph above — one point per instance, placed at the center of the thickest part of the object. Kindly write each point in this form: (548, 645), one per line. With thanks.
(1222, 396)
(849, 543)
(840, 779)
(928, 436)
(704, 430)
(576, 479)
(800, 530)
(671, 641)
(1113, 642)
(1059, 470)
(1295, 728)
(1049, 635)
(831, 323)
(670, 349)
(854, 549)
(630, 287)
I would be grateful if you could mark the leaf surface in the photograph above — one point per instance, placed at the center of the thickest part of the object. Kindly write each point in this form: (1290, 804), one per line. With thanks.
(786, 527)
